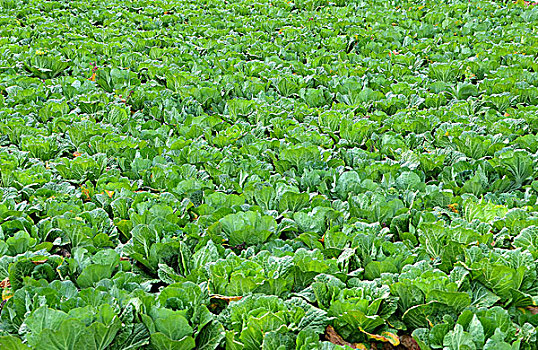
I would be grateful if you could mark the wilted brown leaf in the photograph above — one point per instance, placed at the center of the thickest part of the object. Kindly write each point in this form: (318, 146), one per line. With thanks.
(65, 253)
(533, 309)
(409, 343)
(335, 338)
(5, 283)
(406, 343)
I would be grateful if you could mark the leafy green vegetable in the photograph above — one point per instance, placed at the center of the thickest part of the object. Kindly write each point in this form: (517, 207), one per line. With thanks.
(302, 175)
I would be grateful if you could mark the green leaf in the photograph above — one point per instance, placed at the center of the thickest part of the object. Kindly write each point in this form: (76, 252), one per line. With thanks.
(41, 319)
(458, 339)
(456, 300)
(9, 342)
(292, 201)
(93, 274)
(497, 341)
(210, 336)
(160, 341)
(70, 335)
(277, 341)
(477, 331)
(245, 227)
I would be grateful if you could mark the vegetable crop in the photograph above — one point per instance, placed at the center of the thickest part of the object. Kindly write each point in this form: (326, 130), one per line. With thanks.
(268, 174)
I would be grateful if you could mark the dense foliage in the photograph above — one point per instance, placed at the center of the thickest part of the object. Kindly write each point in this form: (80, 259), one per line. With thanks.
(268, 174)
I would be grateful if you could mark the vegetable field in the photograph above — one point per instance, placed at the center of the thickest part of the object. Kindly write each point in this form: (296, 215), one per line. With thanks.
(268, 174)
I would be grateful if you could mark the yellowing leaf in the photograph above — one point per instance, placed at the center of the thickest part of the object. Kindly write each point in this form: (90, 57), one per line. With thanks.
(39, 262)
(226, 298)
(453, 207)
(7, 294)
(391, 337)
(385, 337)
